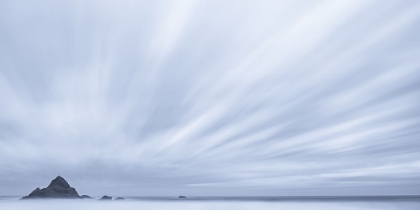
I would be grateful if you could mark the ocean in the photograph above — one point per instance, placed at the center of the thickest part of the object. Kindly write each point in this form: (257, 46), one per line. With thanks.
(220, 203)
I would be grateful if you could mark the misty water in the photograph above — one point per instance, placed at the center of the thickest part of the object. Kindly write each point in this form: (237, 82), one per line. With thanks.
(12, 203)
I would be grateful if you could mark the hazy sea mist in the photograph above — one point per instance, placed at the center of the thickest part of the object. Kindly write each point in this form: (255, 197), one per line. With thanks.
(12, 203)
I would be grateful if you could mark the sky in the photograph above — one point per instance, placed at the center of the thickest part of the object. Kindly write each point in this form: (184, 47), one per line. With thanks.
(168, 98)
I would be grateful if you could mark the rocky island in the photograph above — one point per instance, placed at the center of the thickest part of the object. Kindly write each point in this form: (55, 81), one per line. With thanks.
(58, 188)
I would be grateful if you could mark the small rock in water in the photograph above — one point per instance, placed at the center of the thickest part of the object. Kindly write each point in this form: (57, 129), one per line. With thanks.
(182, 196)
(119, 199)
(106, 198)
(86, 197)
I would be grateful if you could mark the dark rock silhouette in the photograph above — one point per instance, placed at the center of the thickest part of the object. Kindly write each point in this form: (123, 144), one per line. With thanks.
(86, 197)
(119, 199)
(182, 196)
(106, 198)
(58, 188)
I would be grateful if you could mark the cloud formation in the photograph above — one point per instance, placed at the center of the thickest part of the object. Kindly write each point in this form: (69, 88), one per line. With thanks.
(211, 97)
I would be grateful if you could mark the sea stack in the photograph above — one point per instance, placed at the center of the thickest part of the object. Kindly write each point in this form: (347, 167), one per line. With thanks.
(58, 188)
(86, 197)
(106, 198)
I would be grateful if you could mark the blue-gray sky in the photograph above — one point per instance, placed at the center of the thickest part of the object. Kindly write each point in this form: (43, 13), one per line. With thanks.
(210, 97)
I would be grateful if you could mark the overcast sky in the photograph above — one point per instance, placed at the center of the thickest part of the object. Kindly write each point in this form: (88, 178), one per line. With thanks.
(210, 97)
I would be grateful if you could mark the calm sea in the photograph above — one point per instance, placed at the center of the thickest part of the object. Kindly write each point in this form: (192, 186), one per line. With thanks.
(221, 203)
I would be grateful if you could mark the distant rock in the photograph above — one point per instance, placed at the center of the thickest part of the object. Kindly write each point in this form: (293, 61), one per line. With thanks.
(182, 196)
(58, 188)
(106, 198)
(86, 197)
(119, 199)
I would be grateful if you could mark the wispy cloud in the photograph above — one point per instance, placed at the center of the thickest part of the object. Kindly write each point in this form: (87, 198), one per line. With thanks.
(210, 97)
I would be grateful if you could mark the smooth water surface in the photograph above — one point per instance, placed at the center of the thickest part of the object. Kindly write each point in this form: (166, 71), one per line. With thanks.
(216, 204)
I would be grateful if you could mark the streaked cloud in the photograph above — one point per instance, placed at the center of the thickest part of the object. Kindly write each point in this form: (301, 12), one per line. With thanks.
(210, 97)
